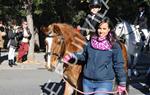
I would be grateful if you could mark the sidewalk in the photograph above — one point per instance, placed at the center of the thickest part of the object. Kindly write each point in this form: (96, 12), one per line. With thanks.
(38, 63)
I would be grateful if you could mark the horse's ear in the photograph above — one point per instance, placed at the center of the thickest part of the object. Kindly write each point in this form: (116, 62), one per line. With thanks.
(117, 20)
(44, 29)
(56, 28)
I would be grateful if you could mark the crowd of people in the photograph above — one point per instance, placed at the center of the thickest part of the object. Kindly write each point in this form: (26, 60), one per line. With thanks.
(18, 38)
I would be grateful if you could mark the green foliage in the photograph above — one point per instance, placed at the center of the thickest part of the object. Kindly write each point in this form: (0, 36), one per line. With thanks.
(85, 1)
(77, 18)
(38, 12)
(37, 8)
(11, 9)
(69, 11)
(22, 13)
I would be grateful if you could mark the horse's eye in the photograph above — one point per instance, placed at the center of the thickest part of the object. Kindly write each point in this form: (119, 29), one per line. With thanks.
(49, 32)
(55, 31)
(58, 41)
(120, 27)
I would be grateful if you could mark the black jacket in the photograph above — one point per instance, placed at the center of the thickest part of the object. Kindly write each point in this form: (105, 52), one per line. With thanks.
(101, 65)
(142, 21)
(90, 24)
(12, 38)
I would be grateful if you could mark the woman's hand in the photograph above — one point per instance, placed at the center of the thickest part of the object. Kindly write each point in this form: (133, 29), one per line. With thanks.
(66, 58)
(121, 89)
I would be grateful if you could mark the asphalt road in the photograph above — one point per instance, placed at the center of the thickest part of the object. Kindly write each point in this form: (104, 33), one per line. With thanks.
(25, 82)
(34, 79)
(40, 82)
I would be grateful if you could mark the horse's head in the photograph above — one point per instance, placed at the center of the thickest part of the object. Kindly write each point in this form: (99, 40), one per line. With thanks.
(55, 45)
(120, 30)
(127, 32)
(61, 39)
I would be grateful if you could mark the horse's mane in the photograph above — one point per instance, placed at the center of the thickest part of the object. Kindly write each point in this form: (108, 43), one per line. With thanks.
(71, 36)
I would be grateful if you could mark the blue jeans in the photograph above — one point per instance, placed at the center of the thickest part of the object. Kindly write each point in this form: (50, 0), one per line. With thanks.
(92, 86)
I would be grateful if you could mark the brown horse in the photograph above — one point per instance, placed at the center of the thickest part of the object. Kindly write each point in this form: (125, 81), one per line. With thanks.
(63, 39)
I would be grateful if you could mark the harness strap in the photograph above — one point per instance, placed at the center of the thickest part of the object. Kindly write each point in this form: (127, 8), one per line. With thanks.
(79, 91)
(102, 92)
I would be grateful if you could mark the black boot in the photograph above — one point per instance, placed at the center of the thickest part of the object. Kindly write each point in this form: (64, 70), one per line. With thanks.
(13, 63)
(10, 63)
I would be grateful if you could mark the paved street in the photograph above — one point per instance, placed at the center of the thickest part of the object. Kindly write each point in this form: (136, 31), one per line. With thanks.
(34, 79)
(26, 78)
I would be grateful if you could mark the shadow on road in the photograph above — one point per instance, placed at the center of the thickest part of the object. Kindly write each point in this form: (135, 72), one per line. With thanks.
(53, 88)
(141, 88)
(2, 58)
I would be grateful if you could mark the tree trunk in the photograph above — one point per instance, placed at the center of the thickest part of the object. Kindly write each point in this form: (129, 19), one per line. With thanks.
(31, 47)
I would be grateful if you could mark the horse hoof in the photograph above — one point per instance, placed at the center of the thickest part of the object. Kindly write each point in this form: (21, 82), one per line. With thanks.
(50, 68)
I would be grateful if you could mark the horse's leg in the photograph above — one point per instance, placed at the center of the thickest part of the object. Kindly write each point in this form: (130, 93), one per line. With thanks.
(135, 59)
(147, 44)
(75, 78)
(129, 66)
(68, 89)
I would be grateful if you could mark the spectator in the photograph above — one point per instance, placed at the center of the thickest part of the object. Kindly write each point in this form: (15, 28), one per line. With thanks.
(13, 43)
(103, 60)
(2, 34)
(24, 45)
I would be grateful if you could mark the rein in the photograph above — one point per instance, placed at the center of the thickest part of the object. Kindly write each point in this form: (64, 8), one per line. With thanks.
(81, 92)
(59, 55)
(123, 35)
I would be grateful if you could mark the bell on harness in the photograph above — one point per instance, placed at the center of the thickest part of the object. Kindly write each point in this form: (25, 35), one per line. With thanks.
(95, 4)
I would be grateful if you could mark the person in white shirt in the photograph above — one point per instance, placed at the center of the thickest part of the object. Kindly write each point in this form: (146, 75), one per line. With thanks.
(24, 45)
(12, 43)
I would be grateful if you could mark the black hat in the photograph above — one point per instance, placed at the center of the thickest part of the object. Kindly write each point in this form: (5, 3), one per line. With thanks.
(95, 3)
(143, 5)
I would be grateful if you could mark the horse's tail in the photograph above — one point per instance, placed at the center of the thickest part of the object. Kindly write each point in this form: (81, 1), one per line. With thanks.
(125, 55)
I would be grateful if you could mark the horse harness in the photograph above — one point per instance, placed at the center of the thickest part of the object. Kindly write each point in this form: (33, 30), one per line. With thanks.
(62, 44)
(122, 37)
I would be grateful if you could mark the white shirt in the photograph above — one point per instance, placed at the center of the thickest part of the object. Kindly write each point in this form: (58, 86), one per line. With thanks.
(141, 13)
(25, 36)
